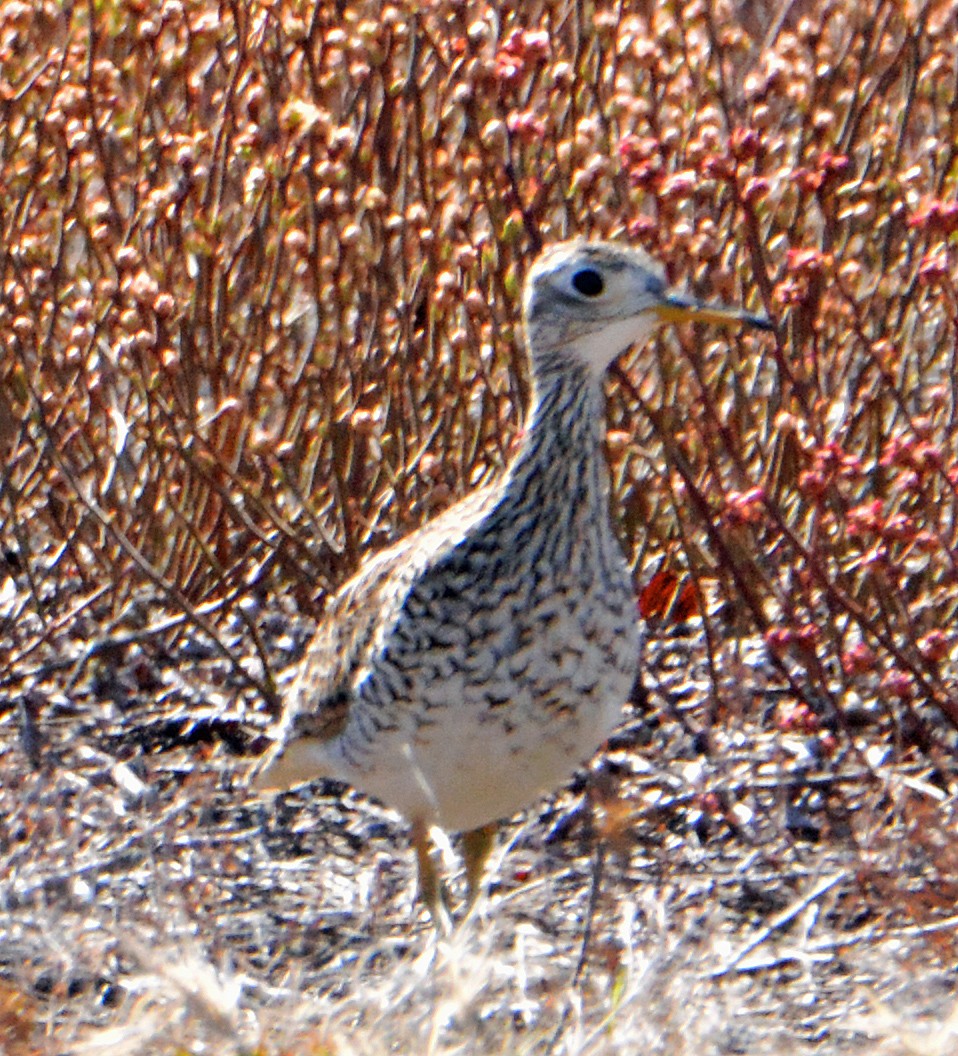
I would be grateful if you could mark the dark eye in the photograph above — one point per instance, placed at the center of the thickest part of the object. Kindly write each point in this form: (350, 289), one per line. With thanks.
(588, 282)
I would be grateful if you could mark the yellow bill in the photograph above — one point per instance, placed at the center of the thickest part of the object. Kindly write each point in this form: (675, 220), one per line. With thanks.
(681, 308)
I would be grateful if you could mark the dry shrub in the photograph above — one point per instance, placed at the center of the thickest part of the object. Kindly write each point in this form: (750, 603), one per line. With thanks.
(259, 281)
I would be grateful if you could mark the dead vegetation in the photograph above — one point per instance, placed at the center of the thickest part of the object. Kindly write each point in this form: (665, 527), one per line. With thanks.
(259, 266)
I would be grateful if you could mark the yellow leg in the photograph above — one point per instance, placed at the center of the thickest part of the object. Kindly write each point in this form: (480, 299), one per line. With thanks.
(430, 886)
(476, 846)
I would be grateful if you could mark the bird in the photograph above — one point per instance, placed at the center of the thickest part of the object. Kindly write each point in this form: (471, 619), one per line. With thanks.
(471, 667)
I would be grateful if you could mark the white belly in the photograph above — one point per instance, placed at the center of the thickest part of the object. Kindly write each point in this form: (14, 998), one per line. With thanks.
(470, 765)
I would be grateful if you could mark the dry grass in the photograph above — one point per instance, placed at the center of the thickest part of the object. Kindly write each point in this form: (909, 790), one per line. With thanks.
(259, 269)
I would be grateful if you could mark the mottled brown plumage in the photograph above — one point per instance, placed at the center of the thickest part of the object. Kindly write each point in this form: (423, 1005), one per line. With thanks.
(476, 663)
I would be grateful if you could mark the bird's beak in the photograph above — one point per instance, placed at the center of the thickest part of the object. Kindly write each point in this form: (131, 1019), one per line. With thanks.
(680, 308)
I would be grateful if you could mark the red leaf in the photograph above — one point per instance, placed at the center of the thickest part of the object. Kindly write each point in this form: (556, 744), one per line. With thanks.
(666, 596)
(657, 595)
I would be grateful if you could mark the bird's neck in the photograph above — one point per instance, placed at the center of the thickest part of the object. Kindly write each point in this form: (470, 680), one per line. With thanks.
(553, 504)
(561, 447)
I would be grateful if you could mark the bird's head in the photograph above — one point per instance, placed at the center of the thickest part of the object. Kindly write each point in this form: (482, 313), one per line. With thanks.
(587, 302)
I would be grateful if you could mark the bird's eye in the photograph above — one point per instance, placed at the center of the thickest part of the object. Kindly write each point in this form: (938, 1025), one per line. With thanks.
(588, 282)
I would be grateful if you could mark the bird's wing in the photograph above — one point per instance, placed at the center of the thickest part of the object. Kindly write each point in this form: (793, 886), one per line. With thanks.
(358, 620)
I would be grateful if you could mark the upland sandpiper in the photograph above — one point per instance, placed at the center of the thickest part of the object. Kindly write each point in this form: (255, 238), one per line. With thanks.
(472, 666)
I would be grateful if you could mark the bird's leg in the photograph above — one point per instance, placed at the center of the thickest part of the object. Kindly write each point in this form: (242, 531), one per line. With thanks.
(430, 886)
(476, 845)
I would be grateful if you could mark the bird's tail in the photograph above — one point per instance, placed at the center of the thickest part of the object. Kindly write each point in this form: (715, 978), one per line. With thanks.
(285, 765)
